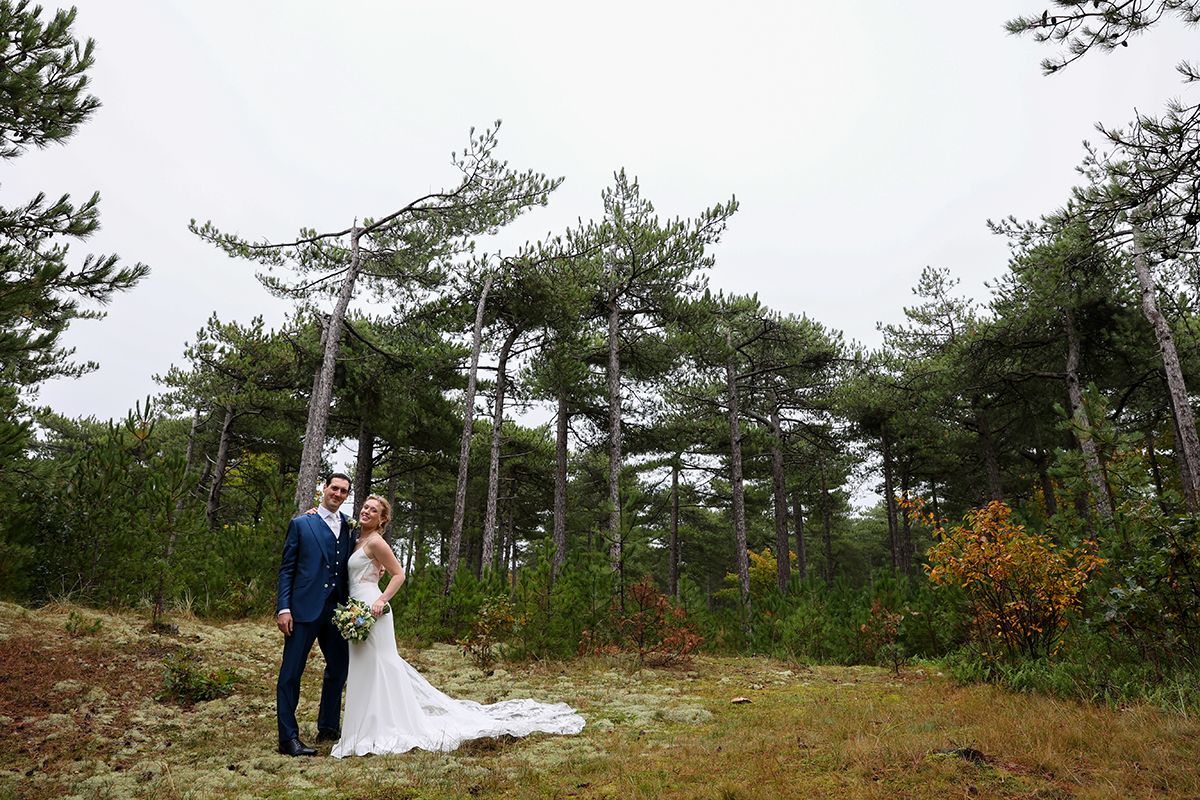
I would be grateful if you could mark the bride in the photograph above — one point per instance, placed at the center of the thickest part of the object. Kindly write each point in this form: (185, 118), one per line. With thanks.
(390, 708)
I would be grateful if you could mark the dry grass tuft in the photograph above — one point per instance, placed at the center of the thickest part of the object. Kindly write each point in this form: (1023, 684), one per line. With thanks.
(78, 719)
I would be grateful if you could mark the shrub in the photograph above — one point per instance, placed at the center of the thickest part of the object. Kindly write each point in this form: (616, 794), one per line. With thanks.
(1153, 603)
(645, 623)
(491, 626)
(881, 636)
(186, 681)
(78, 624)
(1019, 588)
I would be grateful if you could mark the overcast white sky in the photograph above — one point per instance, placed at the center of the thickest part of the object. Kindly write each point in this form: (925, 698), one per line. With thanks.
(864, 140)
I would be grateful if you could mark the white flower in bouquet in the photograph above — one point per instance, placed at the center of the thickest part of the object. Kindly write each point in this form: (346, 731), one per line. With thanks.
(353, 620)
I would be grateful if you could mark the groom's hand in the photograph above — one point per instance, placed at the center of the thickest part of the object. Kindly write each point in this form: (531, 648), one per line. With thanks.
(284, 621)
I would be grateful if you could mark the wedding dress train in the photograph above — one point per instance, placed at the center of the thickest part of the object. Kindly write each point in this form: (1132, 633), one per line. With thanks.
(391, 708)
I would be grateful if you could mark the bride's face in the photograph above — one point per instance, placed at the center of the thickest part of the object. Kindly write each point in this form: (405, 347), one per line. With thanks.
(371, 516)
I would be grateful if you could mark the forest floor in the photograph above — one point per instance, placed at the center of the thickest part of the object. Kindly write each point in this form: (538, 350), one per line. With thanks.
(79, 718)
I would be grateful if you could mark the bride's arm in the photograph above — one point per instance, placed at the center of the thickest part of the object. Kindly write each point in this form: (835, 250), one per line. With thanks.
(379, 551)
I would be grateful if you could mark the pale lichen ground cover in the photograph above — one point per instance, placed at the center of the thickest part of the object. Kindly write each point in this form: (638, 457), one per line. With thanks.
(79, 718)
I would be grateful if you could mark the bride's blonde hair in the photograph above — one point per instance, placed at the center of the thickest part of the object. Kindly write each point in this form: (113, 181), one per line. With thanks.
(385, 512)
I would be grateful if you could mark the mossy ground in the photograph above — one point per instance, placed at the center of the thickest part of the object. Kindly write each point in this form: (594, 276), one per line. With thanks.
(79, 718)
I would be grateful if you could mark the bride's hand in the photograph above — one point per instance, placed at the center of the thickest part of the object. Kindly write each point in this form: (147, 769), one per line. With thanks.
(377, 608)
(312, 510)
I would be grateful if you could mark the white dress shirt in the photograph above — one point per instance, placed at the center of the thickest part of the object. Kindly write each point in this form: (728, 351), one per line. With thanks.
(333, 519)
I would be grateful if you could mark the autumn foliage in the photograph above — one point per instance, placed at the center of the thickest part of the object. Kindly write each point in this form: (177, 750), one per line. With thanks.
(1019, 586)
(646, 624)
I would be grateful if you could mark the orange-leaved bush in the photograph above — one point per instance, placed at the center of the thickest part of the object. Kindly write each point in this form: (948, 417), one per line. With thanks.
(645, 623)
(1020, 587)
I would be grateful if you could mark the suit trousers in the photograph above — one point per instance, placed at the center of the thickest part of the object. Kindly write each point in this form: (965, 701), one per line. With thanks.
(295, 655)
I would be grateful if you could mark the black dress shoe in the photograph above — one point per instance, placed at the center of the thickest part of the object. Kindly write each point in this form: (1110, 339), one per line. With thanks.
(328, 736)
(295, 747)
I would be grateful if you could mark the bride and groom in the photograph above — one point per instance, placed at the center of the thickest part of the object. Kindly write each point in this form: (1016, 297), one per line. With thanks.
(390, 707)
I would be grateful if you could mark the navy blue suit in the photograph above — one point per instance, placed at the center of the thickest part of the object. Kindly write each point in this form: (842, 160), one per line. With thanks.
(312, 580)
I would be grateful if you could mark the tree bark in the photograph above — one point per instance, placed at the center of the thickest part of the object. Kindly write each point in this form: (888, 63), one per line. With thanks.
(987, 452)
(827, 533)
(393, 493)
(322, 391)
(783, 565)
(906, 546)
(673, 545)
(560, 487)
(512, 545)
(363, 465)
(213, 506)
(464, 447)
(1185, 419)
(890, 498)
(187, 466)
(616, 546)
(801, 545)
(1185, 474)
(489, 517)
(1083, 427)
(416, 548)
(1047, 484)
(736, 483)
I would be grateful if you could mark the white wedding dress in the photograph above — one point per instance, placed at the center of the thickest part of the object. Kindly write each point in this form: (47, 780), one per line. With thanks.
(390, 708)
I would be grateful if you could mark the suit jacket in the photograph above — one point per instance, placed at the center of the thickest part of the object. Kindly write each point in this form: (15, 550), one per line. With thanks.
(313, 567)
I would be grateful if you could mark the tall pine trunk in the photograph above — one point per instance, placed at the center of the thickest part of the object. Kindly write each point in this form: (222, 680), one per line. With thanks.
(187, 463)
(890, 498)
(1185, 474)
(363, 466)
(1043, 465)
(322, 391)
(987, 451)
(489, 517)
(736, 483)
(464, 445)
(1188, 443)
(906, 544)
(1101, 501)
(801, 545)
(783, 566)
(213, 506)
(827, 525)
(615, 546)
(673, 544)
(560, 487)
(393, 493)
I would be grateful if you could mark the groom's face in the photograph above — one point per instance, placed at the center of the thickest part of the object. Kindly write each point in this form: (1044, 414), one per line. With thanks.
(336, 492)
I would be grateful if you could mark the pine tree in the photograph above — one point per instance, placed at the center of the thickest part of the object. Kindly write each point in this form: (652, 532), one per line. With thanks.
(43, 100)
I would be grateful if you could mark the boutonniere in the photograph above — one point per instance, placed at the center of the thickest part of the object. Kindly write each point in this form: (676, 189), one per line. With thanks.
(353, 523)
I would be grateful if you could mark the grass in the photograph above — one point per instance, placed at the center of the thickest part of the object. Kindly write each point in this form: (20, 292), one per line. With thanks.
(79, 718)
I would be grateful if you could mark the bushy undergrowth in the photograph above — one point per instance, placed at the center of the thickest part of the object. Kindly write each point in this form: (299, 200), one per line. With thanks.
(186, 680)
(1020, 604)
(1133, 628)
(643, 621)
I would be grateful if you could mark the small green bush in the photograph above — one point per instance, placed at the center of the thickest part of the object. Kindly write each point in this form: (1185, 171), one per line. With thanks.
(186, 681)
(490, 628)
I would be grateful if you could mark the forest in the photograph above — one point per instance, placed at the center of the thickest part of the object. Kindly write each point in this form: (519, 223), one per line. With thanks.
(589, 450)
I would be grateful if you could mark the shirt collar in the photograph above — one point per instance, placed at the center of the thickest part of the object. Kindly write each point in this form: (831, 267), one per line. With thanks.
(326, 514)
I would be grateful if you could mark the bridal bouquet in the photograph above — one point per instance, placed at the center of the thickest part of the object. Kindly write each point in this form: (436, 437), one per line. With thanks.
(353, 620)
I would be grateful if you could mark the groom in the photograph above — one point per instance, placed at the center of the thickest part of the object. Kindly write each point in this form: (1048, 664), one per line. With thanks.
(312, 580)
